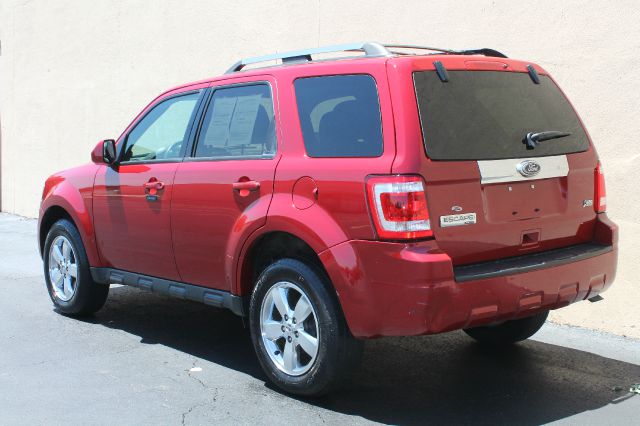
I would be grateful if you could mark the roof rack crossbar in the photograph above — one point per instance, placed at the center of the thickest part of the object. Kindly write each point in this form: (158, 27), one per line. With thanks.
(370, 49)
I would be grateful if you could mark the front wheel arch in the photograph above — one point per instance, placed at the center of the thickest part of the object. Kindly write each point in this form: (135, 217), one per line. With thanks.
(49, 218)
(87, 296)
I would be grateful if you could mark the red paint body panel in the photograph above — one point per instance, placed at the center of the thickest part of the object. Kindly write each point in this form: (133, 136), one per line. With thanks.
(72, 191)
(553, 206)
(398, 289)
(210, 219)
(133, 233)
(200, 228)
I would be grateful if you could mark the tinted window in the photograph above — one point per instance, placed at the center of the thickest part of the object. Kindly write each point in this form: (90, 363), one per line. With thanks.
(162, 133)
(239, 122)
(339, 116)
(485, 115)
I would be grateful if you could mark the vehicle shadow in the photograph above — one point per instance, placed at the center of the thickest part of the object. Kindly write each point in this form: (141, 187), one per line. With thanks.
(412, 380)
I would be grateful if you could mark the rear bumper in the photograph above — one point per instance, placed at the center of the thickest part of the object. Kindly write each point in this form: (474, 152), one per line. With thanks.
(396, 289)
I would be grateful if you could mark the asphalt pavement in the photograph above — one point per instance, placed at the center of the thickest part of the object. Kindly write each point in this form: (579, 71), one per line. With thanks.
(146, 359)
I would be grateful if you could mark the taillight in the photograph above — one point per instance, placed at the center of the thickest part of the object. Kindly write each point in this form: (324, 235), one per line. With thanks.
(600, 196)
(399, 207)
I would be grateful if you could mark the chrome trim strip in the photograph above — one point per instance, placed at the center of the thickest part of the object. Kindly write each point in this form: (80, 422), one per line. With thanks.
(370, 49)
(500, 171)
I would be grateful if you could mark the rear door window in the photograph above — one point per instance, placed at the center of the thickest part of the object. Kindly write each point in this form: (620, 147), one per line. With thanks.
(239, 123)
(340, 116)
(486, 115)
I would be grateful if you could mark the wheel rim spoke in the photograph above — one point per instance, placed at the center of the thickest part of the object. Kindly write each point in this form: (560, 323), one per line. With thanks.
(290, 356)
(302, 311)
(272, 330)
(73, 270)
(66, 250)
(68, 290)
(56, 277)
(56, 252)
(308, 343)
(280, 300)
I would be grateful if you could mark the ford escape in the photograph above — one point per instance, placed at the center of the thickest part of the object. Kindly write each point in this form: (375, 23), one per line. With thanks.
(398, 191)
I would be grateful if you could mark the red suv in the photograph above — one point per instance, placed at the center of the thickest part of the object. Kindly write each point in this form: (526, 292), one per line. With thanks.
(328, 201)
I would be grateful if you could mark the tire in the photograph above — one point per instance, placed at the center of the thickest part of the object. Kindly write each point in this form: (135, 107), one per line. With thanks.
(288, 360)
(509, 332)
(82, 296)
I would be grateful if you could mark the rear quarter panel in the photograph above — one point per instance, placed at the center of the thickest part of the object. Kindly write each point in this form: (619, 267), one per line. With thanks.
(339, 209)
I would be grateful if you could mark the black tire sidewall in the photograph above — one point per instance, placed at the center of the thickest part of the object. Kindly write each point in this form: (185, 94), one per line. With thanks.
(321, 375)
(509, 332)
(74, 305)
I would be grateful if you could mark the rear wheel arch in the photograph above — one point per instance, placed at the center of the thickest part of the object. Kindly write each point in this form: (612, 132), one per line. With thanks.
(270, 247)
(331, 353)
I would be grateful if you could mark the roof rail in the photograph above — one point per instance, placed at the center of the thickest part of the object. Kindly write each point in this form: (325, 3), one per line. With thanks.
(370, 49)
(484, 51)
(415, 47)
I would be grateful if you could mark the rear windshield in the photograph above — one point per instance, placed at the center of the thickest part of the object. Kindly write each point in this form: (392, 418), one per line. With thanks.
(486, 115)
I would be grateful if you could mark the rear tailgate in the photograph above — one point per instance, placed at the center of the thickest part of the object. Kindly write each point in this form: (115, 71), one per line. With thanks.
(489, 195)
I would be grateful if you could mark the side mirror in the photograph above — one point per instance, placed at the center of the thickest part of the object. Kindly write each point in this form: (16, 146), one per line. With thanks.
(104, 152)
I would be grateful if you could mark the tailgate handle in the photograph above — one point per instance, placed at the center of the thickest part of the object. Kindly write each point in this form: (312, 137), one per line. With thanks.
(530, 238)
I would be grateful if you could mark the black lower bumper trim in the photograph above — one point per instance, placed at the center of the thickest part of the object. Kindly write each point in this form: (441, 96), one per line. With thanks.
(529, 262)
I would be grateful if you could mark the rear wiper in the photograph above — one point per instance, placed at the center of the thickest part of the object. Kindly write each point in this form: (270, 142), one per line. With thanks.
(532, 139)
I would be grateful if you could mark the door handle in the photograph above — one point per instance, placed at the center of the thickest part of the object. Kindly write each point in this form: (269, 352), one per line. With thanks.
(250, 185)
(244, 187)
(154, 185)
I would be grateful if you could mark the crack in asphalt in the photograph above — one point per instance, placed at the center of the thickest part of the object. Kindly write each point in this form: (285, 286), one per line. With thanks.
(89, 356)
(209, 400)
(20, 277)
(186, 413)
(194, 377)
(321, 417)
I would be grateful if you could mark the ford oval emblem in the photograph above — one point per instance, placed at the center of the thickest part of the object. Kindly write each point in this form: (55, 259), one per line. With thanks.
(528, 168)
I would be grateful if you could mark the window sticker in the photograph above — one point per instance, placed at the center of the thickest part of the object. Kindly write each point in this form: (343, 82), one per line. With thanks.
(243, 120)
(218, 131)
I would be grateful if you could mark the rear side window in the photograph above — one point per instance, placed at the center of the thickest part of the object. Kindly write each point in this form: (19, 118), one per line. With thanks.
(486, 115)
(239, 122)
(340, 116)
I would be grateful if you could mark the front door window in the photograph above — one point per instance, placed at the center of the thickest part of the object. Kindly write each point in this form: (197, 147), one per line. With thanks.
(162, 133)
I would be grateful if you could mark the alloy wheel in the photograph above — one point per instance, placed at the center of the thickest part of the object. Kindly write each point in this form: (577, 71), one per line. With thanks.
(63, 268)
(289, 328)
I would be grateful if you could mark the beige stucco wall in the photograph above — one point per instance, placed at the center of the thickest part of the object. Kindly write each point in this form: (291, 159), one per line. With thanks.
(73, 72)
